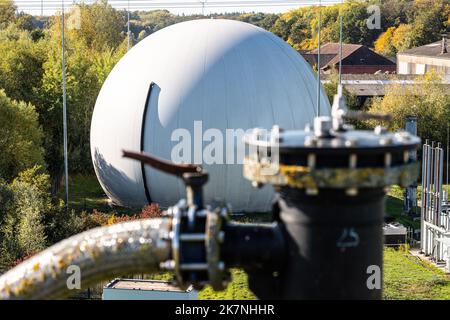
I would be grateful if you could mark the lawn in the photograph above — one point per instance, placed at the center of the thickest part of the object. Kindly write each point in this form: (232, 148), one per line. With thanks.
(85, 194)
(405, 277)
(409, 278)
(394, 208)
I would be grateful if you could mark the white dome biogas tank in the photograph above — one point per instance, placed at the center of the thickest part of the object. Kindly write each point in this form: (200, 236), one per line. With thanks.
(199, 79)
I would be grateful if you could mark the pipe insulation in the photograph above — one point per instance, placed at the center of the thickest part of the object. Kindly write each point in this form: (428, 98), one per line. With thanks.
(100, 254)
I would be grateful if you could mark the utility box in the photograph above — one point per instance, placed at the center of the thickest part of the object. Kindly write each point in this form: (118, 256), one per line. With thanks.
(395, 234)
(133, 289)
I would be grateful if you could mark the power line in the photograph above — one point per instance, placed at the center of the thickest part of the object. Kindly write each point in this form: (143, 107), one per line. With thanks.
(221, 2)
(53, 5)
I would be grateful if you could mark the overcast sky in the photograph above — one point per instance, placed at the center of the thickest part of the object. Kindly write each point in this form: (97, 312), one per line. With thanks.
(49, 7)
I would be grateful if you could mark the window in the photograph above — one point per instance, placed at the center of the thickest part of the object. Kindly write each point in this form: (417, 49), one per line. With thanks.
(420, 69)
(403, 67)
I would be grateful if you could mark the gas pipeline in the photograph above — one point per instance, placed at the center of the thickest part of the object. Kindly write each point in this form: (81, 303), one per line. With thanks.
(324, 238)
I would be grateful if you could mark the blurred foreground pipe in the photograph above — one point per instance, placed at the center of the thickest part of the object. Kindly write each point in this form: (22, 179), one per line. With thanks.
(100, 254)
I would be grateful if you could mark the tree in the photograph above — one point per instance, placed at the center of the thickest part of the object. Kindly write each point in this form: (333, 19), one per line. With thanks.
(9, 248)
(21, 64)
(7, 12)
(395, 39)
(31, 236)
(152, 21)
(384, 44)
(428, 21)
(99, 26)
(283, 25)
(82, 90)
(300, 27)
(267, 21)
(427, 101)
(86, 69)
(24, 204)
(25, 21)
(355, 28)
(403, 38)
(142, 35)
(20, 137)
(395, 12)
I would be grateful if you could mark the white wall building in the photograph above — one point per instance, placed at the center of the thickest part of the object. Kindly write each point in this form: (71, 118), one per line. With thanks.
(421, 60)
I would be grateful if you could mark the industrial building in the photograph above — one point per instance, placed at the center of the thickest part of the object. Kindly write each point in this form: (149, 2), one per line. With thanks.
(356, 59)
(431, 57)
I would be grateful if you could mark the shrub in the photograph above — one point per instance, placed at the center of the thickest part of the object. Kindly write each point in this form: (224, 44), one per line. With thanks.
(151, 211)
(27, 216)
(85, 221)
(31, 203)
(20, 137)
(428, 101)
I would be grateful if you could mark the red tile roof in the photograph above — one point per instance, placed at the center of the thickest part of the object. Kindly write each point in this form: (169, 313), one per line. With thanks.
(354, 54)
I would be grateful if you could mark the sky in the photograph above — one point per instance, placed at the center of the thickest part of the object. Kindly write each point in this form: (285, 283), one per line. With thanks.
(49, 7)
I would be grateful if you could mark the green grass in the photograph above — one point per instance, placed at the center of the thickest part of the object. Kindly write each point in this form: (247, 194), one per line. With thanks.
(408, 278)
(405, 277)
(86, 194)
(236, 290)
(394, 208)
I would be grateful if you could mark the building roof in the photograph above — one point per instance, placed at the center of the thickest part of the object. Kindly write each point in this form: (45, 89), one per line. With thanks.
(324, 58)
(374, 77)
(352, 54)
(332, 48)
(429, 50)
(146, 285)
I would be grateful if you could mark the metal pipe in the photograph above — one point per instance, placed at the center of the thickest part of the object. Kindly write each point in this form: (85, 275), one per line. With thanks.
(341, 30)
(64, 94)
(429, 182)
(333, 239)
(424, 192)
(439, 184)
(318, 58)
(410, 202)
(254, 246)
(446, 180)
(100, 254)
(128, 26)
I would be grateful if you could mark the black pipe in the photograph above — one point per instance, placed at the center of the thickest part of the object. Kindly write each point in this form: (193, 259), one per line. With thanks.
(335, 244)
(253, 246)
(194, 188)
(327, 246)
(261, 251)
